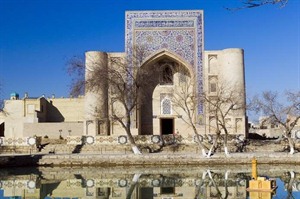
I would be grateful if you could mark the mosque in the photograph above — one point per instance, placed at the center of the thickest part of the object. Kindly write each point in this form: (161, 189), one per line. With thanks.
(173, 42)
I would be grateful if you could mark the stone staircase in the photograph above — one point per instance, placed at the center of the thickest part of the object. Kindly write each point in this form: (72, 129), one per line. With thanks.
(58, 148)
(17, 149)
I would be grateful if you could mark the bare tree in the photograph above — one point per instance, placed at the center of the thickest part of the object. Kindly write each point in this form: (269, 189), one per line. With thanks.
(133, 184)
(124, 80)
(200, 187)
(76, 69)
(185, 99)
(213, 182)
(124, 95)
(289, 185)
(220, 105)
(286, 113)
(258, 3)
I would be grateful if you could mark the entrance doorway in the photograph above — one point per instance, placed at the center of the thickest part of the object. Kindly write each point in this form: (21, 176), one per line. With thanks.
(2, 130)
(166, 126)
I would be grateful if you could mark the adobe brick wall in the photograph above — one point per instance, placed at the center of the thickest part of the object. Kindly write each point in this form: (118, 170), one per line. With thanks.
(52, 129)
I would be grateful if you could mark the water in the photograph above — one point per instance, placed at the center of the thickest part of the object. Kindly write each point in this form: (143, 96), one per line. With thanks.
(183, 182)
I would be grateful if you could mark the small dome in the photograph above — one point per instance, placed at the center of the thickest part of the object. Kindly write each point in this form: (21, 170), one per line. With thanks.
(14, 95)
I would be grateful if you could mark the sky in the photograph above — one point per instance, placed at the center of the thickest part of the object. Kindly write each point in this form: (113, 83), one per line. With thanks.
(37, 38)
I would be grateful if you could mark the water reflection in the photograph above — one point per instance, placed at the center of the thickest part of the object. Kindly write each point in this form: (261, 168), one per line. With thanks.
(146, 182)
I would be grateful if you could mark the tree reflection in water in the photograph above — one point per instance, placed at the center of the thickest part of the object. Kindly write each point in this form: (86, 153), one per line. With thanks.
(222, 182)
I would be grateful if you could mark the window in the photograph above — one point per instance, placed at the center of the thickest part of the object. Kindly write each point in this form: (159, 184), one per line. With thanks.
(166, 106)
(167, 75)
(212, 64)
(213, 87)
(212, 83)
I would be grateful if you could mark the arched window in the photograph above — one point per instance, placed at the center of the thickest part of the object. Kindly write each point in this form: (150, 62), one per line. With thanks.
(212, 64)
(166, 106)
(213, 84)
(167, 75)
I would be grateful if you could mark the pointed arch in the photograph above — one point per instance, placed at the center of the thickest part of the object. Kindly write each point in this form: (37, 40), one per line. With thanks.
(157, 72)
(164, 53)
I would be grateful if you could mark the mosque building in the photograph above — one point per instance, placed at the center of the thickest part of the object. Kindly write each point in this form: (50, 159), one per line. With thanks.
(173, 45)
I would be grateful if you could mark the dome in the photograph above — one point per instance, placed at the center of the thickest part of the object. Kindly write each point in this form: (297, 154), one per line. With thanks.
(14, 95)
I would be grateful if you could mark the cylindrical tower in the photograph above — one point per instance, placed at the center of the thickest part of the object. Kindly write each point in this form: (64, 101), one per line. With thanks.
(96, 99)
(232, 70)
(232, 77)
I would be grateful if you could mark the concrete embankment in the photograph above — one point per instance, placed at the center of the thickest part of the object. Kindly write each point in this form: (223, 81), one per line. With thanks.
(145, 159)
(19, 160)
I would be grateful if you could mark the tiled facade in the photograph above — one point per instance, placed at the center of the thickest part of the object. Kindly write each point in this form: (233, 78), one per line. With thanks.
(170, 39)
(179, 32)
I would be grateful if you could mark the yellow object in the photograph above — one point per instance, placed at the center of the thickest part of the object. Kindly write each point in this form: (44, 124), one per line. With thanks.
(260, 195)
(260, 187)
(261, 178)
(260, 184)
(254, 168)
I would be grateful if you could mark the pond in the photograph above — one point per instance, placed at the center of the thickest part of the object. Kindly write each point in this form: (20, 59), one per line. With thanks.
(184, 182)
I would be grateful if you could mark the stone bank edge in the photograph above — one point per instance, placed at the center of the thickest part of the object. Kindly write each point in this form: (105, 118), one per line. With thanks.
(145, 159)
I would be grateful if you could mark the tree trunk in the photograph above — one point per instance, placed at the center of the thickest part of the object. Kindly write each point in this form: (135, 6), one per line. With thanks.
(198, 190)
(202, 150)
(292, 145)
(134, 147)
(289, 187)
(216, 186)
(200, 142)
(213, 146)
(134, 182)
(136, 150)
(226, 184)
(219, 194)
(225, 144)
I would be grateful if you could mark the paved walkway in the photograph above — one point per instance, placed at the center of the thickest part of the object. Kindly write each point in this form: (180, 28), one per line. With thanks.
(84, 159)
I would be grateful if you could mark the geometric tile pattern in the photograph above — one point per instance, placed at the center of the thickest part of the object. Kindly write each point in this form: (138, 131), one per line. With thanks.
(179, 32)
(139, 139)
(179, 42)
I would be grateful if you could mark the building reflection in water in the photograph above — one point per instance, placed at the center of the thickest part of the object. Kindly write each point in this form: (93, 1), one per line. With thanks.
(140, 183)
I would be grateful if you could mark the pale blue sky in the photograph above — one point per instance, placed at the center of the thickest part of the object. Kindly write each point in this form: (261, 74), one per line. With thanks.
(38, 37)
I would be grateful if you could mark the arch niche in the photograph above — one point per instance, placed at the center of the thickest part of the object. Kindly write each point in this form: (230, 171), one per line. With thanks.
(162, 72)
